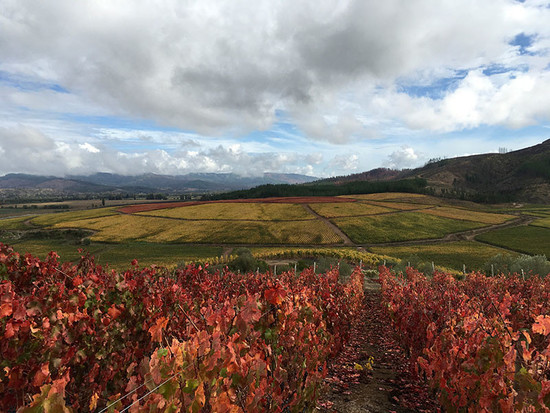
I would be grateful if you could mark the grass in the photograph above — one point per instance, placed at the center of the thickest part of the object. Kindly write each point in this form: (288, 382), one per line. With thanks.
(533, 240)
(119, 256)
(469, 215)
(452, 255)
(125, 228)
(544, 222)
(237, 211)
(331, 210)
(400, 227)
(47, 220)
(68, 251)
(14, 223)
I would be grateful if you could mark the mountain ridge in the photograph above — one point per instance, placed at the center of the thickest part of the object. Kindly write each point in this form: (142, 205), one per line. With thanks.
(20, 185)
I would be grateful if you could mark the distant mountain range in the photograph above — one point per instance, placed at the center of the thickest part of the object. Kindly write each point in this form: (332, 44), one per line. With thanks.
(35, 186)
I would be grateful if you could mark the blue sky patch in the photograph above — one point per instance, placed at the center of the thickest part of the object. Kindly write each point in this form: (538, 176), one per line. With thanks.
(29, 85)
(499, 69)
(524, 41)
(436, 90)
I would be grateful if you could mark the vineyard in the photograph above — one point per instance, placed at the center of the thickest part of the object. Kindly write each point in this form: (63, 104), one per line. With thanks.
(483, 343)
(78, 338)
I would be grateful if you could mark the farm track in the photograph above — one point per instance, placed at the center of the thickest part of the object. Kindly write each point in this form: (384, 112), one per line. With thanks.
(338, 231)
(390, 386)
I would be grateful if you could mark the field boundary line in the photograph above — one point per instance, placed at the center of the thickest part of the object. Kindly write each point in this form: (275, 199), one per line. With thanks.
(347, 240)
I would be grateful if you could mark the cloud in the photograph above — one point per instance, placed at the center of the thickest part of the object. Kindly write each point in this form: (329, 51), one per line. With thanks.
(405, 157)
(29, 150)
(227, 67)
(348, 162)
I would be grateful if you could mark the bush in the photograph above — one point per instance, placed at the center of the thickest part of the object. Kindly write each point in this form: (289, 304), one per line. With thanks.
(507, 264)
(245, 262)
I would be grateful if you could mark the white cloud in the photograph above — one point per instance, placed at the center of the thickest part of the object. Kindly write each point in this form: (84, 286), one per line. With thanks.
(405, 157)
(88, 147)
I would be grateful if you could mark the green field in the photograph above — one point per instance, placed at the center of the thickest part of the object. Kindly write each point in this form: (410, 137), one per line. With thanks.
(15, 223)
(400, 227)
(544, 222)
(451, 255)
(531, 240)
(119, 256)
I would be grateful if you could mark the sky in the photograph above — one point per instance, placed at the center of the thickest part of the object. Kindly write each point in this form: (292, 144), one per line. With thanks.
(322, 88)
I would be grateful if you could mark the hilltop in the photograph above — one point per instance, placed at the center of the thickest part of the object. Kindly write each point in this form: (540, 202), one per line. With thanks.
(522, 175)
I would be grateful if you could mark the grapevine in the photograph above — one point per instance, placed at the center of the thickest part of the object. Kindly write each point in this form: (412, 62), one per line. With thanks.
(81, 337)
(483, 342)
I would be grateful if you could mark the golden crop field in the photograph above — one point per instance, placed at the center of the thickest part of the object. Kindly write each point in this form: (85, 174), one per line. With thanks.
(61, 217)
(228, 211)
(394, 196)
(332, 210)
(123, 228)
(468, 215)
(403, 206)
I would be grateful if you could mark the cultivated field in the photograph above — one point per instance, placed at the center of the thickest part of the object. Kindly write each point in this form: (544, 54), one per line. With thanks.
(530, 239)
(452, 254)
(168, 233)
(349, 209)
(232, 211)
(405, 226)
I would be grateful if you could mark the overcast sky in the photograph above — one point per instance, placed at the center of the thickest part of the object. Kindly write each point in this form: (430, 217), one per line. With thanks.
(314, 87)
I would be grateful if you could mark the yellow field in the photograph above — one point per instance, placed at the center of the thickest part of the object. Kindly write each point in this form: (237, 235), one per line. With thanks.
(332, 210)
(369, 259)
(123, 228)
(403, 206)
(468, 215)
(62, 217)
(386, 196)
(248, 211)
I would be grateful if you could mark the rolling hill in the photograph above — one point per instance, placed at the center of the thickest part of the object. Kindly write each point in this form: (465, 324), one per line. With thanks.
(521, 176)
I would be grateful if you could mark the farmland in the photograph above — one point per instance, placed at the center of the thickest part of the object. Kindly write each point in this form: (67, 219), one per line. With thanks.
(231, 211)
(452, 254)
(171, 232)
(529, 240)
(405, 226)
